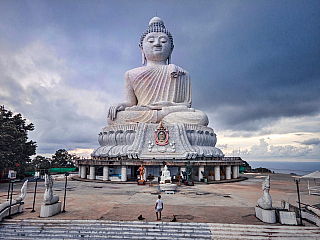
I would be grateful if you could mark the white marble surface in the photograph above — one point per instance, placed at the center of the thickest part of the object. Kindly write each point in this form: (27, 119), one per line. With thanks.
(217, 173)
(287, 218)
(165, 175)
(267, 216)
(50, 210)
(15, 208)
(48, 196)
(265, 201)
(186, 141)
(168, 187)
(159, 91)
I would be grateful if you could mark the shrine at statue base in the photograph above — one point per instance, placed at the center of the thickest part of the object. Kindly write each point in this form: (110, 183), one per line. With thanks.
(123, 148)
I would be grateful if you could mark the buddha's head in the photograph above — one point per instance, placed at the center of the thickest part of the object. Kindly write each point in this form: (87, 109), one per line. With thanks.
(156, 43)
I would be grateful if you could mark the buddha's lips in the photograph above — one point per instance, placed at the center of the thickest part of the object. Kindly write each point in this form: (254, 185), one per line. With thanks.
(157, 48)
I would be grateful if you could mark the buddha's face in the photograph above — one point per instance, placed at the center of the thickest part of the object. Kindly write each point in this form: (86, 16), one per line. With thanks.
(157, 46)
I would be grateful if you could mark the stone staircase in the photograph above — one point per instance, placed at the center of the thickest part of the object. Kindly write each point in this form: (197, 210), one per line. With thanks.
(98, 229)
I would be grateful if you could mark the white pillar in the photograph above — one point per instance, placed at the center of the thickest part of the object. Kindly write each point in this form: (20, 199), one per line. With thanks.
(228, 172)
(83, 171)
(201, 169)
(145, 174)
(123, 173)
(238, 173)
(79, 173)
(217, 173)
(92, 175)
(105, 173)
(234, 172)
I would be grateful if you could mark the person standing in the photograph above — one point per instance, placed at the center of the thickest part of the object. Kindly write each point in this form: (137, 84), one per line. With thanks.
(159, 207)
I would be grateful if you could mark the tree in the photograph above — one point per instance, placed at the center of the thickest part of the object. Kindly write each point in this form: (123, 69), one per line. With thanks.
(15, 149)
(63, 159)
(40, 162)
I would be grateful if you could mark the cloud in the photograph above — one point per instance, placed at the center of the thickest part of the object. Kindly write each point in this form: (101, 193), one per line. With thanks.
(264, 150)
(222, 146)
(312, 141)
(64, 117)
(254, 66)
(257, 70)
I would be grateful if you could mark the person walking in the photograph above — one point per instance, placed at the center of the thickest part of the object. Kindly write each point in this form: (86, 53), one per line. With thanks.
(159, 207)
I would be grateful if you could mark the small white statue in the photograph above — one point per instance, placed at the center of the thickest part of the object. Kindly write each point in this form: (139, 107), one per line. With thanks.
(49, 197)
(265, 202)
(17, 200)
(165, 175)
(23, 191)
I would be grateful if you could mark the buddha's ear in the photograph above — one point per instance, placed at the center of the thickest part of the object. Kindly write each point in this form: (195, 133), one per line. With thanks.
(169, 58)
(142, 54)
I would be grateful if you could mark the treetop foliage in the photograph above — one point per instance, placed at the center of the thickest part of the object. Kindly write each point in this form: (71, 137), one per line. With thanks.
(15, 149)
(63, 159)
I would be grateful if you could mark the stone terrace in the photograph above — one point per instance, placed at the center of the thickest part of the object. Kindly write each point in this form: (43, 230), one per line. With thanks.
(203, 203)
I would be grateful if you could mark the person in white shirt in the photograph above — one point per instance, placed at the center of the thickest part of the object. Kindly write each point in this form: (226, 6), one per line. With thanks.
(159, 207)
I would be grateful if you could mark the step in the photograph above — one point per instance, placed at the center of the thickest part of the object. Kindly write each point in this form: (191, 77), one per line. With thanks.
(97, 229)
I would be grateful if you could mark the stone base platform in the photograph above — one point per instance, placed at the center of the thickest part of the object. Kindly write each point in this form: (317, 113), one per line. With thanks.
(15, 208)
(141, 182)
(189, 183)
(287, 218)
(267, 216)
(168, 187)
(50, 210)
(140, 141)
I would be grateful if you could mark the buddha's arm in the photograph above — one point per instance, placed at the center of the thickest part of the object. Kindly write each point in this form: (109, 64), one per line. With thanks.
(129, 97)
(161, 104)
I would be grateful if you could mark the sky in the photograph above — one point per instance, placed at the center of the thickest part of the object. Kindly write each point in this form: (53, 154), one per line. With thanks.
(254, 67)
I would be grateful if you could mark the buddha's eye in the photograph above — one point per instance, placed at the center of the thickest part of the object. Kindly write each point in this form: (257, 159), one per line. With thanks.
(163, 40)
(150, 40)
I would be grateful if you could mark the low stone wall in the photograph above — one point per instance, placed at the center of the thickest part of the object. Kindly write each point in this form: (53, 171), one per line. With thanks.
(306, 214)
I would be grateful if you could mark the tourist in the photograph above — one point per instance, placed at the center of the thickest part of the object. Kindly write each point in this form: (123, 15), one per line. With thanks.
(159, 207)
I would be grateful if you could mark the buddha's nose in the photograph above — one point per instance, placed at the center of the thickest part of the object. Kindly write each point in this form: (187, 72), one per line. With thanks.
(157, 42)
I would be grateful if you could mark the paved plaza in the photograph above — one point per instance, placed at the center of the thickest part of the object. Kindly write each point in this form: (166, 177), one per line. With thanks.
(203, 203)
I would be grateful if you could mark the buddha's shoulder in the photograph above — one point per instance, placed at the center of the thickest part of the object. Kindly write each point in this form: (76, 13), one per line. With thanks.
(135, 71)
(175, 68)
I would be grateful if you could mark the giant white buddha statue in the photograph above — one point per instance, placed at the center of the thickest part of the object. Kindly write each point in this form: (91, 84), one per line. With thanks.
(156, 120)
(159, 91)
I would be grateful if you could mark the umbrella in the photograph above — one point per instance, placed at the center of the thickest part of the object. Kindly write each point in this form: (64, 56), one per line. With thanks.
(316, 189)
(315, 174)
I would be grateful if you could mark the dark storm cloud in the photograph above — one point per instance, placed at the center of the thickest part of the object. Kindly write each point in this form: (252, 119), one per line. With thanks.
(251, 62)
(57, 124)
(264, 64)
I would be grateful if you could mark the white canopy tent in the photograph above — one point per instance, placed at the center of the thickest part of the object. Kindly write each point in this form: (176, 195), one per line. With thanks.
(315, 190)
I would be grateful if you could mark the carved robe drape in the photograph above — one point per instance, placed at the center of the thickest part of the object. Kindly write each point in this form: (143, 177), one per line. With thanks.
(165, 83)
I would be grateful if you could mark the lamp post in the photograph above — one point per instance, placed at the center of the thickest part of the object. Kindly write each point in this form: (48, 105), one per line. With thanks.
(36, 177)
(65, 192)
(12, 176)
(297, 183)
(9, 187)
